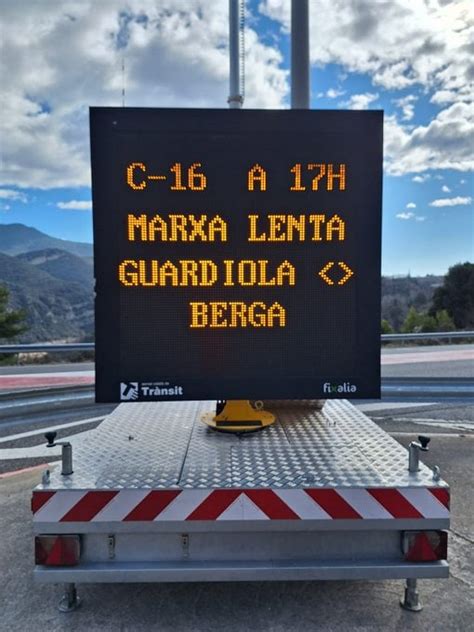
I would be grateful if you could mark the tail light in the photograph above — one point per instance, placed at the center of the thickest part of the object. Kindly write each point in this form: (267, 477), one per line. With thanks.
(57, 550)
(425, 546)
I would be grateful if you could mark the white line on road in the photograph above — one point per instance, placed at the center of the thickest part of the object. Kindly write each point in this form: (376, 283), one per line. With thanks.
(432, 434)
(390, 405)
(423, 420)
(442, 423)
(32, 433)
(35, 451)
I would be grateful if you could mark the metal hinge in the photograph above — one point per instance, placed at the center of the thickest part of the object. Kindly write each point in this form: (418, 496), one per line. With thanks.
(185, 544)
(111, 546)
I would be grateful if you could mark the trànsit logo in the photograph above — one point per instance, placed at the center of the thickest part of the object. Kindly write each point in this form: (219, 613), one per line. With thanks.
(131, 391)
(345, 387)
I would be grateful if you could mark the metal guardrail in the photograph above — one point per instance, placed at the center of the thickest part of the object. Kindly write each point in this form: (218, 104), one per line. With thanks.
(90, 346)
(49, 347)
(437, 335)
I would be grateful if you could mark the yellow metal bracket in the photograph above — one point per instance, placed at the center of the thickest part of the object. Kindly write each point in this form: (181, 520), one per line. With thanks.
(239, 416)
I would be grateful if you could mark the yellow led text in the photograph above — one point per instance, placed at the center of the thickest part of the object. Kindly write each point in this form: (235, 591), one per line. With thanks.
(223, 314)
(348, 273)
(326, 171)
(137, 177)
(204, 273)
(176, 227)
(257, 176)
(296, 228)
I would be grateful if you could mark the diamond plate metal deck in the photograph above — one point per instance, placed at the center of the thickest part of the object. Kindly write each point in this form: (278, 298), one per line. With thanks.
(165, 445)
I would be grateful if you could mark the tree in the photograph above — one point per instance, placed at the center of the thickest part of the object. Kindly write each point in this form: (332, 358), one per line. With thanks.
(386, 327)
(456, 295)
(444, 321)
(428, 323)
(413, 322)
(11, 321)
(420, 300)
(418, 322)
(394, 314)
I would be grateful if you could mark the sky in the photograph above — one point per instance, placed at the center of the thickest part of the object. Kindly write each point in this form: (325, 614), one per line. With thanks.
(411, 58)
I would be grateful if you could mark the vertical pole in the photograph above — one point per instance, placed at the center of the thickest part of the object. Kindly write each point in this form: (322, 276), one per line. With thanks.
(411, 598)
(299, 55)
(235, 99)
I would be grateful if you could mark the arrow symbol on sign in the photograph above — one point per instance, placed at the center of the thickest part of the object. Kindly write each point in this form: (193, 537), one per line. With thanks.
(344, 267)
(348, 272)
(322, 273)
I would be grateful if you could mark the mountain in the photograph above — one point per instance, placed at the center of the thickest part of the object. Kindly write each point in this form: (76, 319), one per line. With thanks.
(61, 265)
(56, 309)
(18, 238)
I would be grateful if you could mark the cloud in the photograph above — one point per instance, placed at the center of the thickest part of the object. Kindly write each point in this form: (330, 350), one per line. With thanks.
(76, 205)
(334, 94)
(407, 215)
(411, 205)
(445, 189)
(407, 106)
(445, 143)
(442, 97)
(421, 179)
(456, 201)
(400, 43)
(15, 196)
(360, 101)
(61, 57)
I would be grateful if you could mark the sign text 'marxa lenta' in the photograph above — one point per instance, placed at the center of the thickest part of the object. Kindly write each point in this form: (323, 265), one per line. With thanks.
(237, 253)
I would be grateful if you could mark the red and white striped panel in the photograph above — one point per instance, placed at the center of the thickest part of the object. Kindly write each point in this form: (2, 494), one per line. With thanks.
(138, 505)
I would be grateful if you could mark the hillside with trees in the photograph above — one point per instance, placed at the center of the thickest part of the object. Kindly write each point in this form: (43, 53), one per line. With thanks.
(430, 303)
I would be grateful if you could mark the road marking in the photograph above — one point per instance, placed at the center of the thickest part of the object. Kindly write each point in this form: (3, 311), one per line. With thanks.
(32, 433)
(34, 452)
(432, 434)
(452, 423)
(37, 451)
(377, 406)
(38, 381)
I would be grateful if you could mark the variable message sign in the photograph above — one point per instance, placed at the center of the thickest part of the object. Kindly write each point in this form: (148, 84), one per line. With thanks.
(237, 253)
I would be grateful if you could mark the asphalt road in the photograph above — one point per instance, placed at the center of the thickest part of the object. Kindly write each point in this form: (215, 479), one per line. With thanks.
(260, 606)
(446, 361)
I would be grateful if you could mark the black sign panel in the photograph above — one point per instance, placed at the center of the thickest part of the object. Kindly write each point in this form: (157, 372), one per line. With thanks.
(237, 253)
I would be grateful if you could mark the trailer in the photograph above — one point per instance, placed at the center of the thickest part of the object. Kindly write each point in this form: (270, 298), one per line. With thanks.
(157, 496)
(237, 258)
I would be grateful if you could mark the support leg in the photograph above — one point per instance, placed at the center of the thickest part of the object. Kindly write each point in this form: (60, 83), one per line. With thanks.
(70, 601)
(410, 600)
